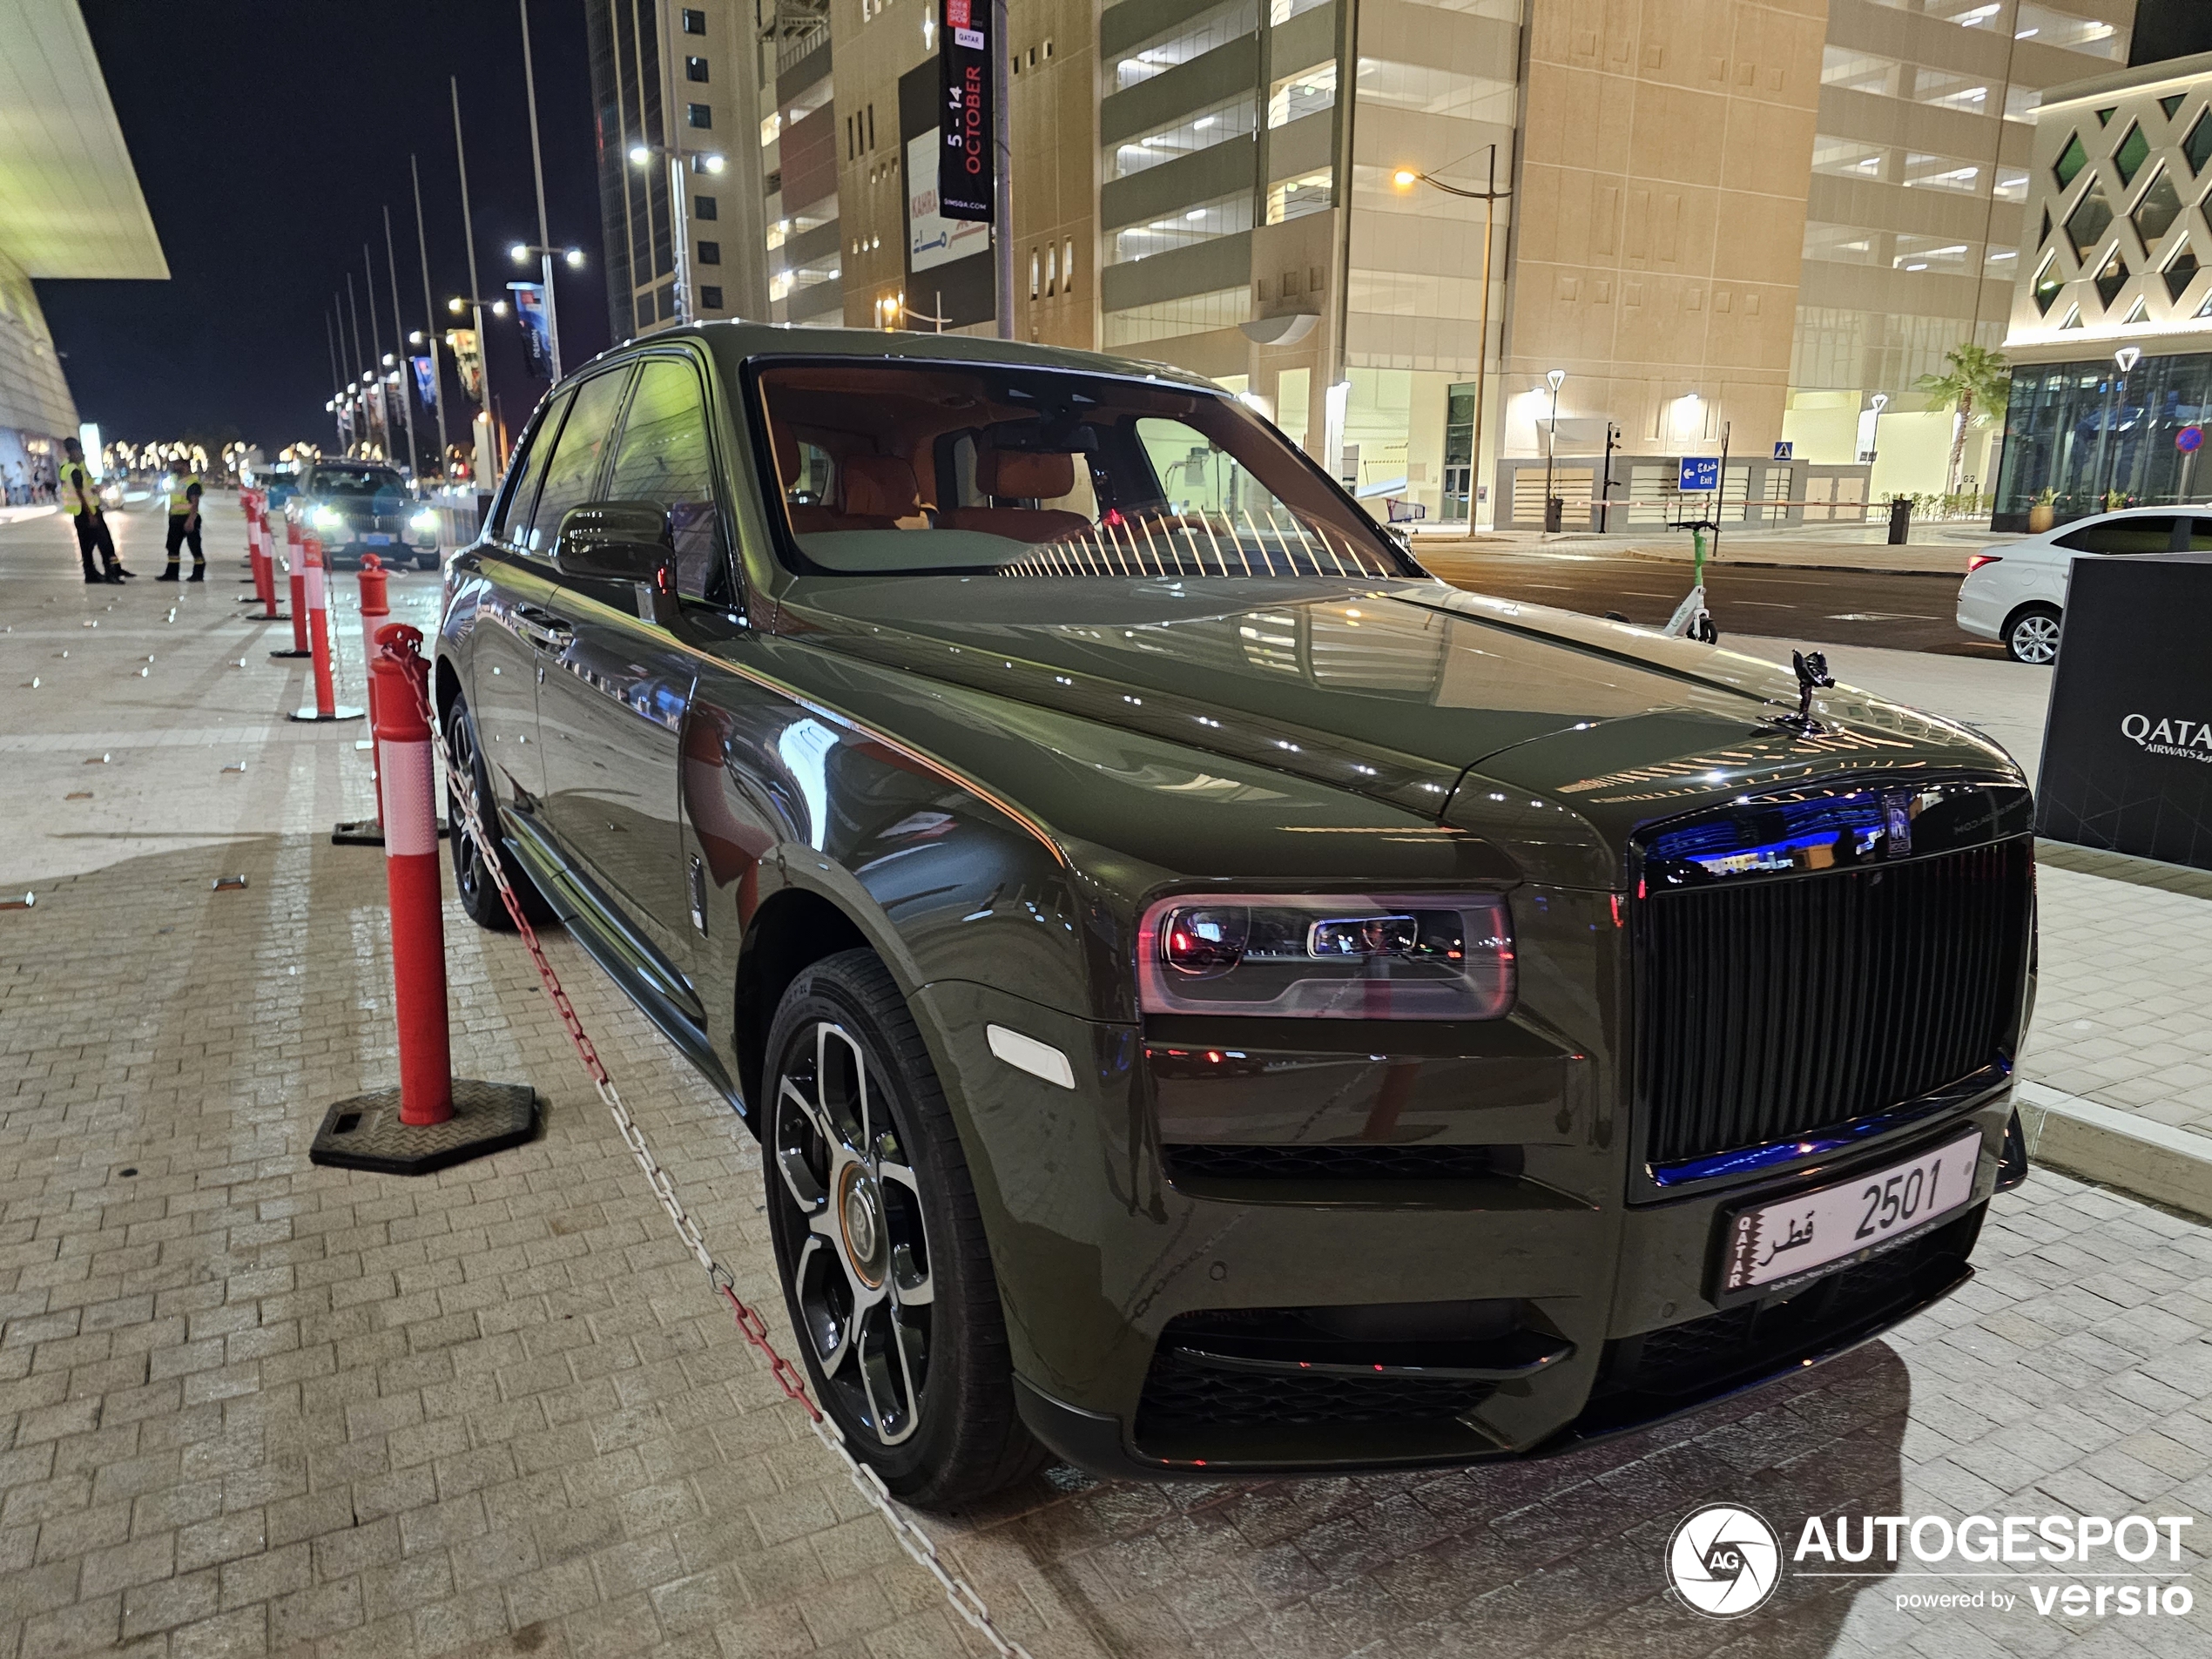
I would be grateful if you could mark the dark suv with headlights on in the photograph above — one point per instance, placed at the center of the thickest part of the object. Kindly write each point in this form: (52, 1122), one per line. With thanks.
(1212, 999)
(359, 507)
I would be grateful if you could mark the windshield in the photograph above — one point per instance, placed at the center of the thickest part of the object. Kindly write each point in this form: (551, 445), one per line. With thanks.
(355, 480)
(913, 468)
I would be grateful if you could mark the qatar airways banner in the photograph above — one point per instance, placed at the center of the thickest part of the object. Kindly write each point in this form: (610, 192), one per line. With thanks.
(966, 169)
(2127, 747)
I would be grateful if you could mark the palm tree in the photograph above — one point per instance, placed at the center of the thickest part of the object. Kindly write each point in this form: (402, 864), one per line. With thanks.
(1978, 387)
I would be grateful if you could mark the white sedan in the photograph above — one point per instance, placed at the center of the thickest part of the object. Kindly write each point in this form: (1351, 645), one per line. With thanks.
(2015, 592)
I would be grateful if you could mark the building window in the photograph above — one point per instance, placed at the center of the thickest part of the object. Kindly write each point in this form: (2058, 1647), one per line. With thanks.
(1033, 273)
(1067, 260)
(1051, 269)
(871, 127)
(702, 207)
(711, 298)
(698, 115)
(709, 252)
(694, 21)
(695, 69)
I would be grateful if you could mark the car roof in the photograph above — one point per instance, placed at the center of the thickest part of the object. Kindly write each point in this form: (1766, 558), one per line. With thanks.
(735, 342)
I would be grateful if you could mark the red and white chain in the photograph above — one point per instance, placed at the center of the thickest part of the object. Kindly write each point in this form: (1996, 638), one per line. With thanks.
(917, 1542)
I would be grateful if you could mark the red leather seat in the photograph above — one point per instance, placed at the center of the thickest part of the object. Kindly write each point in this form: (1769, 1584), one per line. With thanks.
(873, 493)
(1018, 475)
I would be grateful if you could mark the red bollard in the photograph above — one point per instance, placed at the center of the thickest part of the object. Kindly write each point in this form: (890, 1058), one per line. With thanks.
(296, 566)
(318, 596)
(433, 1119)
(376, 612)
(250, 500)
(400, 683)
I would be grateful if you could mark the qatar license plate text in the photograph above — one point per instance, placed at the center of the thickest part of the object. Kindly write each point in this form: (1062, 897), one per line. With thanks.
(1787, 1239)
(378, 538)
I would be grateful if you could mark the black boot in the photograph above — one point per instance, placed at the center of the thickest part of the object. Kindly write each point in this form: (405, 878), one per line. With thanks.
(117, 573)
(198, 572)
(169, 575)
(92, 573)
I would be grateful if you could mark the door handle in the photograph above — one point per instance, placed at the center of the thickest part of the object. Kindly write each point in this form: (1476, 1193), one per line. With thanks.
(542, 628)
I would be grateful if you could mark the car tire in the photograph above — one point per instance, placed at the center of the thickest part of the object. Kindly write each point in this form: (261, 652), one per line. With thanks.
(2032, 635)
(880, 1244)
(471, 876)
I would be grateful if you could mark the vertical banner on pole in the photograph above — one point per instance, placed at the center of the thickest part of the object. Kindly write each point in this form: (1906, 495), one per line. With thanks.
(966, 166)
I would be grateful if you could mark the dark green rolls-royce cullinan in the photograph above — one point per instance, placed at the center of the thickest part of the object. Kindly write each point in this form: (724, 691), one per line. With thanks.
(1211, 998)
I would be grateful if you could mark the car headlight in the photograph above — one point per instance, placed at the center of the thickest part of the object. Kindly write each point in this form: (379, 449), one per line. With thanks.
(1331, 956)
(426, 521)
(326, 518)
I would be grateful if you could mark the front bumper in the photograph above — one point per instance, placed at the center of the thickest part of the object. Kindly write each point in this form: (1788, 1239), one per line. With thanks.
(1101, 1247)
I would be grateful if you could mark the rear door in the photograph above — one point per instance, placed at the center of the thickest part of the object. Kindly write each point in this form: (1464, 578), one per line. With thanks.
(503, 660)
(613, 710)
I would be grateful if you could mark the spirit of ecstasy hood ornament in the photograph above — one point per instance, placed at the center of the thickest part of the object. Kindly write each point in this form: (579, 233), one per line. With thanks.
(1812, 676)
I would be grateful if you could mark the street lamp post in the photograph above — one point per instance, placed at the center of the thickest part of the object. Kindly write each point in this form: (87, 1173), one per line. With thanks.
(1490, 196)
(641, 155)
(544, 248)
(573, 257)
(486, 447)
(1553, 508)
(399, 338)
(429, 337)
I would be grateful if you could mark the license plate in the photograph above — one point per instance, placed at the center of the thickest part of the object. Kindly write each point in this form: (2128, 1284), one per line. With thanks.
(377, 538)
(1795, 1237)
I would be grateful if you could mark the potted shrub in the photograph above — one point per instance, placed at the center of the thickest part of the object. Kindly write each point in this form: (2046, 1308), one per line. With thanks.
(2043, 511)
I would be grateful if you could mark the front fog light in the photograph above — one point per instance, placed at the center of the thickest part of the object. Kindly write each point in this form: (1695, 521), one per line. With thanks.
(426, 521)
(1332, 956)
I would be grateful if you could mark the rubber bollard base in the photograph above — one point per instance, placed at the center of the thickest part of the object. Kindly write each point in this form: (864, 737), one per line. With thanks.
(291, 653)
(367, 831)
(281, 615)
(365, 1132)
(343, 711)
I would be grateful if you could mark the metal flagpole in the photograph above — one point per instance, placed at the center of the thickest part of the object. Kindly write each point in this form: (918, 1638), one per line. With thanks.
(538, 167)
(337, 381)
(477, 302)
(376, 350)
(407, 359)
(679, 202)
(430, 323)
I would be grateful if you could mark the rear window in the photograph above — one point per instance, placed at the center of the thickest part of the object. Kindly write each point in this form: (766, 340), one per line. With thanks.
(2139, 533)
(889, 469)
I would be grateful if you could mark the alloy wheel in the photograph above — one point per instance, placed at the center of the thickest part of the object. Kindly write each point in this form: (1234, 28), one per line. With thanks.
(469, 872)
(2035, 638)
(861, 1282)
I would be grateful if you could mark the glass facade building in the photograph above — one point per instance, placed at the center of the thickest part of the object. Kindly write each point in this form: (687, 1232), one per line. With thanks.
(2088, 433)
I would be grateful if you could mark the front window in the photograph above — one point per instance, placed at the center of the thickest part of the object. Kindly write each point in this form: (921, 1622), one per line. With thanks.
(893, 469)
(356, 481)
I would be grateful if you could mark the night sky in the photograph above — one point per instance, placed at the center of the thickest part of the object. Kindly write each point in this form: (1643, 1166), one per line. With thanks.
(267, 139)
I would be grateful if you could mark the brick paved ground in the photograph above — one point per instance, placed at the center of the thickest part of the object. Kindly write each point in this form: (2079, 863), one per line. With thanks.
(249, 1406)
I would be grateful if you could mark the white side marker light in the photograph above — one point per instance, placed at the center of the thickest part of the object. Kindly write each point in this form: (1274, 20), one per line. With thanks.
(1027, 1054)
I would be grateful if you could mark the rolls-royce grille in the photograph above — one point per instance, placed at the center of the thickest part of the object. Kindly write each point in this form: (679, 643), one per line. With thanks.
(1769, 1009)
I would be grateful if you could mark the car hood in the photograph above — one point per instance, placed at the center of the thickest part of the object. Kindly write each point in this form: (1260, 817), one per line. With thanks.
(1554, 734)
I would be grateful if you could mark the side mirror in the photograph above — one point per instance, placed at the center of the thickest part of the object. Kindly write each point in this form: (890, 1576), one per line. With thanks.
(615, 541)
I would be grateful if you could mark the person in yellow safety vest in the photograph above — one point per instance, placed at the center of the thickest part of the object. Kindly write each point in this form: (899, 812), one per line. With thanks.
(181, 487)
(81, 498)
